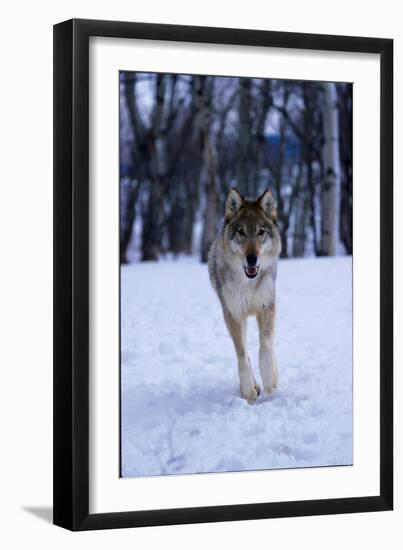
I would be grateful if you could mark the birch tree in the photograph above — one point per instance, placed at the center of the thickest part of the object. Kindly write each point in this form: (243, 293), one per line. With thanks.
(331, 172)
(204, 87)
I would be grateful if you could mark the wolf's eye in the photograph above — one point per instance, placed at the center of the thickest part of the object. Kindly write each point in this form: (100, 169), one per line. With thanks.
(261, 232)
(241, 232)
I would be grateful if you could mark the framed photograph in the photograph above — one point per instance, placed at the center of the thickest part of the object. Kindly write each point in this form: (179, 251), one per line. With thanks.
(223, 274)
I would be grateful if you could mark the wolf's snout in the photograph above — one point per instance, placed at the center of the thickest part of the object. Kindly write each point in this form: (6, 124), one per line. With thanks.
(251, 259)
(251, 269)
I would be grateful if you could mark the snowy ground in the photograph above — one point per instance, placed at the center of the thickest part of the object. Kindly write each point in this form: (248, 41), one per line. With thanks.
(181, 409)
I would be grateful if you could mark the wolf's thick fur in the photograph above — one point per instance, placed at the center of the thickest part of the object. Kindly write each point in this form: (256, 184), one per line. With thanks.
(242, 266)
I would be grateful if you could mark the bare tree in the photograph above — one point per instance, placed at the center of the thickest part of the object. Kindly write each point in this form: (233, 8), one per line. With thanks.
(301, 217)
(254, 103)
(346, 165)
(331, 167)
(204, 87)
(311, 152)
(244, 136)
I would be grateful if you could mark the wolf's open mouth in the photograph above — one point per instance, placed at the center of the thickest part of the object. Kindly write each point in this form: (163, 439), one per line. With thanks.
(251, 272)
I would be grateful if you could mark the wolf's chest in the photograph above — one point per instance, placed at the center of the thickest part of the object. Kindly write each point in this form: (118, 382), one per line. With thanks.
(248, 297)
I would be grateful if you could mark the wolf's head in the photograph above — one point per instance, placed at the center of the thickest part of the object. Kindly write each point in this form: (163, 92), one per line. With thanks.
(251, 230)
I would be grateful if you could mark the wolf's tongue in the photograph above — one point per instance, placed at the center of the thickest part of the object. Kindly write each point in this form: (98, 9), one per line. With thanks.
(251, 270)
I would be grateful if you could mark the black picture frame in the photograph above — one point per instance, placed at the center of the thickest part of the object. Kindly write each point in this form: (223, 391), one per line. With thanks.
(71, 274)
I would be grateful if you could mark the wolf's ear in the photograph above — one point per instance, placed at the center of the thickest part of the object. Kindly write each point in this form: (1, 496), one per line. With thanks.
(268, 203)
(233, 204)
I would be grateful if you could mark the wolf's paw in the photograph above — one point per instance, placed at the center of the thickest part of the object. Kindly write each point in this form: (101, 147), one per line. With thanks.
(251, 394)
(272, 386)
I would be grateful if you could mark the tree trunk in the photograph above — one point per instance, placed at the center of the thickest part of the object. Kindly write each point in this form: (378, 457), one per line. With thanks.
(244, 137)
(302, 208)
(331, 167)
(278, 182)
(211, 211)
(188, 230)
(346, 221)
(153, 220)
(181, 218)
(127, 217)
(345, 124)
(210, 219)
(204, 96)
(256, 186)
(308, 94)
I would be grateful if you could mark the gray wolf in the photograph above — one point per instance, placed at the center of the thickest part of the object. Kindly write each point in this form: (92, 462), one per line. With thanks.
(242, 265)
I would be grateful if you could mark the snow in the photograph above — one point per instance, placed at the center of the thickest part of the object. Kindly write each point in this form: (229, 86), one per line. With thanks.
(181, 408)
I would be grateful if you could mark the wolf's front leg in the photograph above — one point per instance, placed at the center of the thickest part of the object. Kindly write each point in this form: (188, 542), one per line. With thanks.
(267, 359)
(237, 329)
